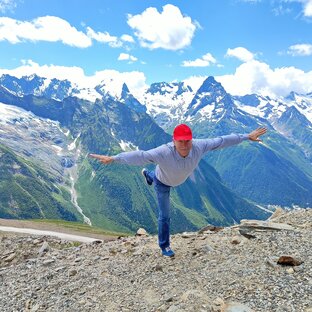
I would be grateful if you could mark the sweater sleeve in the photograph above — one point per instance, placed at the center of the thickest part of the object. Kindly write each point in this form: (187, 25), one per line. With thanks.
(221, 142)
(140, 158)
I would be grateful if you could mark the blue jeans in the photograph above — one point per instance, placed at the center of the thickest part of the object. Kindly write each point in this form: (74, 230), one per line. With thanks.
(163, 198)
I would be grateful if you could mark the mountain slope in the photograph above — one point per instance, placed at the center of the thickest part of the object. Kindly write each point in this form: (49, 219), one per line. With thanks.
(27, 191)
(116, 197)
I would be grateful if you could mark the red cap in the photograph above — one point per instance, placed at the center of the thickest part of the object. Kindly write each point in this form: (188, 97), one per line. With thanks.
(182, 132)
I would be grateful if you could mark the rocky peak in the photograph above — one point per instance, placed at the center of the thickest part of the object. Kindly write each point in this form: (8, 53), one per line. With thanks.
(292, 96)
(128, 99)
(212, 96)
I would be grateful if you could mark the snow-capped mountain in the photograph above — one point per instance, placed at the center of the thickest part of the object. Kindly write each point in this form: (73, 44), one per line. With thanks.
(61, 89)
(167, 102)
(35, 85)
(211, 111)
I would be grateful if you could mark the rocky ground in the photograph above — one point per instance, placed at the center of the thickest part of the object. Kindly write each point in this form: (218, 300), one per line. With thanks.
(214, 270)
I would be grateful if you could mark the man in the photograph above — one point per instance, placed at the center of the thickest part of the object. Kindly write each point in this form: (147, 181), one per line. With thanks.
(175, 162)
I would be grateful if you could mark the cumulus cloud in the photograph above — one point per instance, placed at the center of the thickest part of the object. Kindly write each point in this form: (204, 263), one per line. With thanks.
(300, 50)
(195, 82)
(258, 77)
(47, 28)
(127, 57)
(307, 6)
(53, 29)
(204, 61)
(127, 38)
(104, 37)
(168, 30)
(241, 53)
(7, 5)
(135, 80)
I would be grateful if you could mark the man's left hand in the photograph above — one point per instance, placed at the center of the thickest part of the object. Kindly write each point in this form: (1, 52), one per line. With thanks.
(254, 135)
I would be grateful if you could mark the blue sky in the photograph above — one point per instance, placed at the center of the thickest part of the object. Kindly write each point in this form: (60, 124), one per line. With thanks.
(248, 45)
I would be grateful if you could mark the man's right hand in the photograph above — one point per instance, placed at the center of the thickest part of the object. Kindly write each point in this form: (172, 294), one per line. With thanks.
(102, 158)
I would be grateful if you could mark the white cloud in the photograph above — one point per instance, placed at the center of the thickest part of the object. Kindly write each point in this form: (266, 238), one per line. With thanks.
(29, 67)
(136, 81)
(168, 30)
(7, 5)
(307, 6)
(204, 61)
(53, 29)
(300, 50)
(195, 82)
(127, 57)
(105, 37)
(258, 77)
(46, 28)
(241, 53)
(127, 38)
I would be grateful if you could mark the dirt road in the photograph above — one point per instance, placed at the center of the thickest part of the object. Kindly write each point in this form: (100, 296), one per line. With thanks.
(42, 226)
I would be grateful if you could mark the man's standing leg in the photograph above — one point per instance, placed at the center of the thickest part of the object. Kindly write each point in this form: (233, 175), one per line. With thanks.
(163, 197)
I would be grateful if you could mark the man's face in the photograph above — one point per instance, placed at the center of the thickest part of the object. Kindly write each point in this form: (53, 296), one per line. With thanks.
(183, 147)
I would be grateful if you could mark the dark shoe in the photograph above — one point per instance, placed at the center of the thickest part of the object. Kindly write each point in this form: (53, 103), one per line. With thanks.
(167, 252)
(148, 179)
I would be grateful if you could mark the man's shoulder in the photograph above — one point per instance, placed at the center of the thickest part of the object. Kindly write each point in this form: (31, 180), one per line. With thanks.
(164, 148)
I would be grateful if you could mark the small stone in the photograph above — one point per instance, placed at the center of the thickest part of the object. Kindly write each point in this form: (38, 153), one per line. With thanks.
(187, 235)
(218, 302)
(37, 241)
(289, 260)
(10, 257)
(206, 249)
(235, 240)
(48, 262)
(290, 271)
(141, 232)
(44, 248)
(158, 267)
(72, 272)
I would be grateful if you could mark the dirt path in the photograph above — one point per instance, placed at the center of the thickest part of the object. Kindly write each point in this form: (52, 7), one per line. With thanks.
(50, 227)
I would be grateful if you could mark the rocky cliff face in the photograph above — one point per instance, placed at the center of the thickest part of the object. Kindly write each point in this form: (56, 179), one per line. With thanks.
(229, 269)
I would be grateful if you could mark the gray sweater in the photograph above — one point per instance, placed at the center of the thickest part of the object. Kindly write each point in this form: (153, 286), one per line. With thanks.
(173, 169)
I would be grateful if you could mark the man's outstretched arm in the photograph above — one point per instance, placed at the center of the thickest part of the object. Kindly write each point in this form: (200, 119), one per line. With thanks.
(230, 140)
(136, 158)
